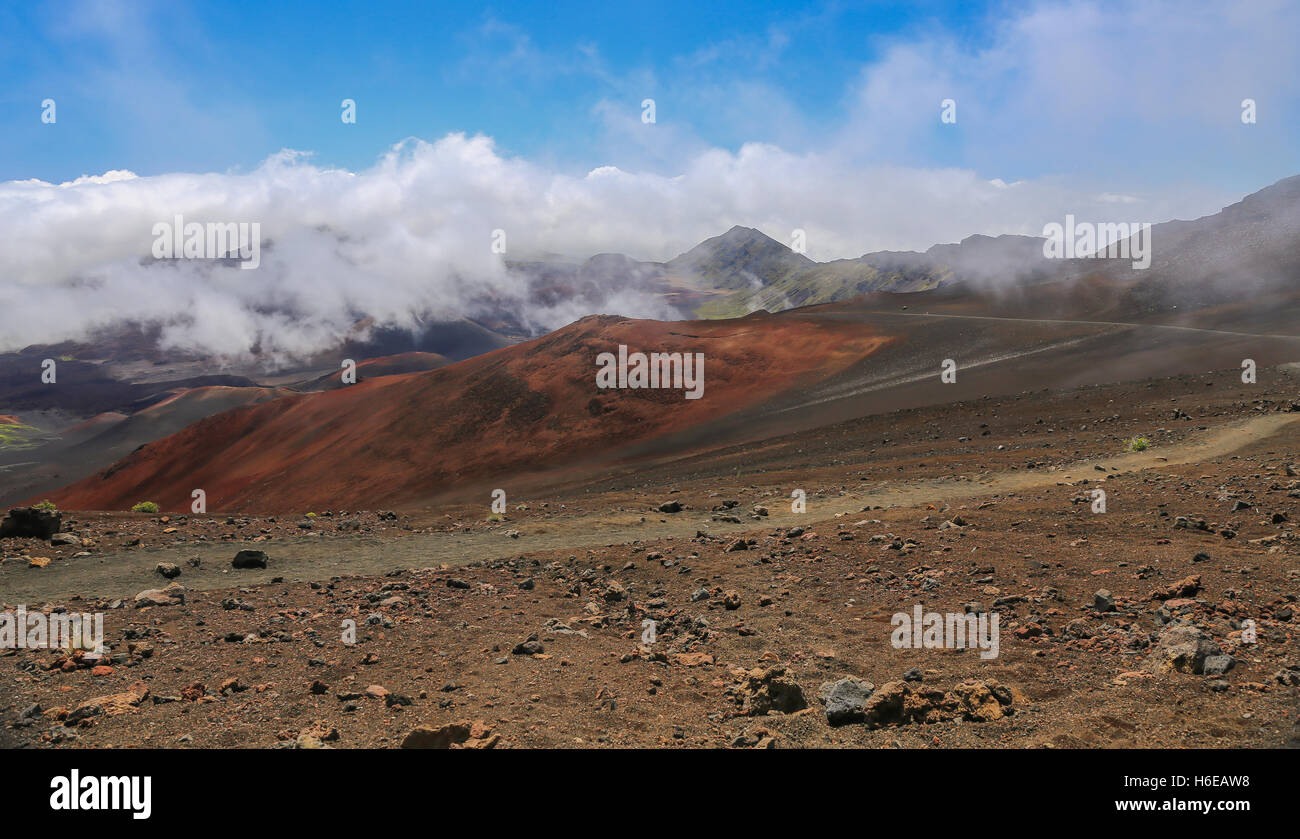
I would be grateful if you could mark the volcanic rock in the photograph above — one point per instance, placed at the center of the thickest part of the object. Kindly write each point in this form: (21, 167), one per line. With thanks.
(846, 700)
(456, 735)
(764, 690)
(1217, 665)
(172, 595)
(30, 523)
(1183, 647)
(1188, 586)
(249, 559)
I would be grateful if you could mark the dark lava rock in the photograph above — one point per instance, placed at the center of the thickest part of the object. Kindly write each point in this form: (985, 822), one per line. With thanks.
(249, 559)
(1217, 665)
(30, 523)
(846, 700)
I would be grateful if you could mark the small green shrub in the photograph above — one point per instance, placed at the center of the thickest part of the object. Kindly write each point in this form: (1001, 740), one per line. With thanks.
(47, 506)
(145, 507)
(1137, 444)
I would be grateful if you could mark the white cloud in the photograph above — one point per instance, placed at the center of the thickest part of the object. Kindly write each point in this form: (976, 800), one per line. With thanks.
(412, 235)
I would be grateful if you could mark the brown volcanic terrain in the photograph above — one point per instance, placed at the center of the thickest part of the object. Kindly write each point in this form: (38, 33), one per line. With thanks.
(966, 497)
(402, 438)
(979, 504)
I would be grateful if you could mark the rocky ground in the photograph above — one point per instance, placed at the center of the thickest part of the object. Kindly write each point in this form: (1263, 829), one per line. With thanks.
(771, 628)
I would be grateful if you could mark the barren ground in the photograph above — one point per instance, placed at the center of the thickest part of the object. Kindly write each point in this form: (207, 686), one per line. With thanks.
(436, 592)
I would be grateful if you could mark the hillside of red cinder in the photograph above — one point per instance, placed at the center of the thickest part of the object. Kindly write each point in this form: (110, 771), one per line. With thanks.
(398, 439)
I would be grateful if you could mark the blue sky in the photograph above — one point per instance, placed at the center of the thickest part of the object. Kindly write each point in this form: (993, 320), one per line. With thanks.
(154, 87)
(209, 87)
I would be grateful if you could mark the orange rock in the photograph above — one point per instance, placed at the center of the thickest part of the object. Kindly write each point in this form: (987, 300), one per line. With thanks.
(114, 703)
(1186, 587)
(457, 735)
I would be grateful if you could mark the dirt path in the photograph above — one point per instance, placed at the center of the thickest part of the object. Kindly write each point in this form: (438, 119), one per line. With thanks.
(1089, 323)
(123, 574)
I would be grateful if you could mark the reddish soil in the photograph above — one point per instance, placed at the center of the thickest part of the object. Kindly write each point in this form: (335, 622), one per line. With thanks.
(392, 440)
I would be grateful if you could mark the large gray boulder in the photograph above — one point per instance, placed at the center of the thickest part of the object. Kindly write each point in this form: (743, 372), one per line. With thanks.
(846, 700)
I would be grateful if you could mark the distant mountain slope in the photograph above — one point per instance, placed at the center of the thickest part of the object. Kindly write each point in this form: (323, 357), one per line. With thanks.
(1247, 249)
(741, 258)
(1252, 246)
(979, 259)
(455, 339)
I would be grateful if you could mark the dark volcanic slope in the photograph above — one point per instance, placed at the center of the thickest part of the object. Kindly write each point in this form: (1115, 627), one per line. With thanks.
(106, 438)
(1012, 344)
(86, 388)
